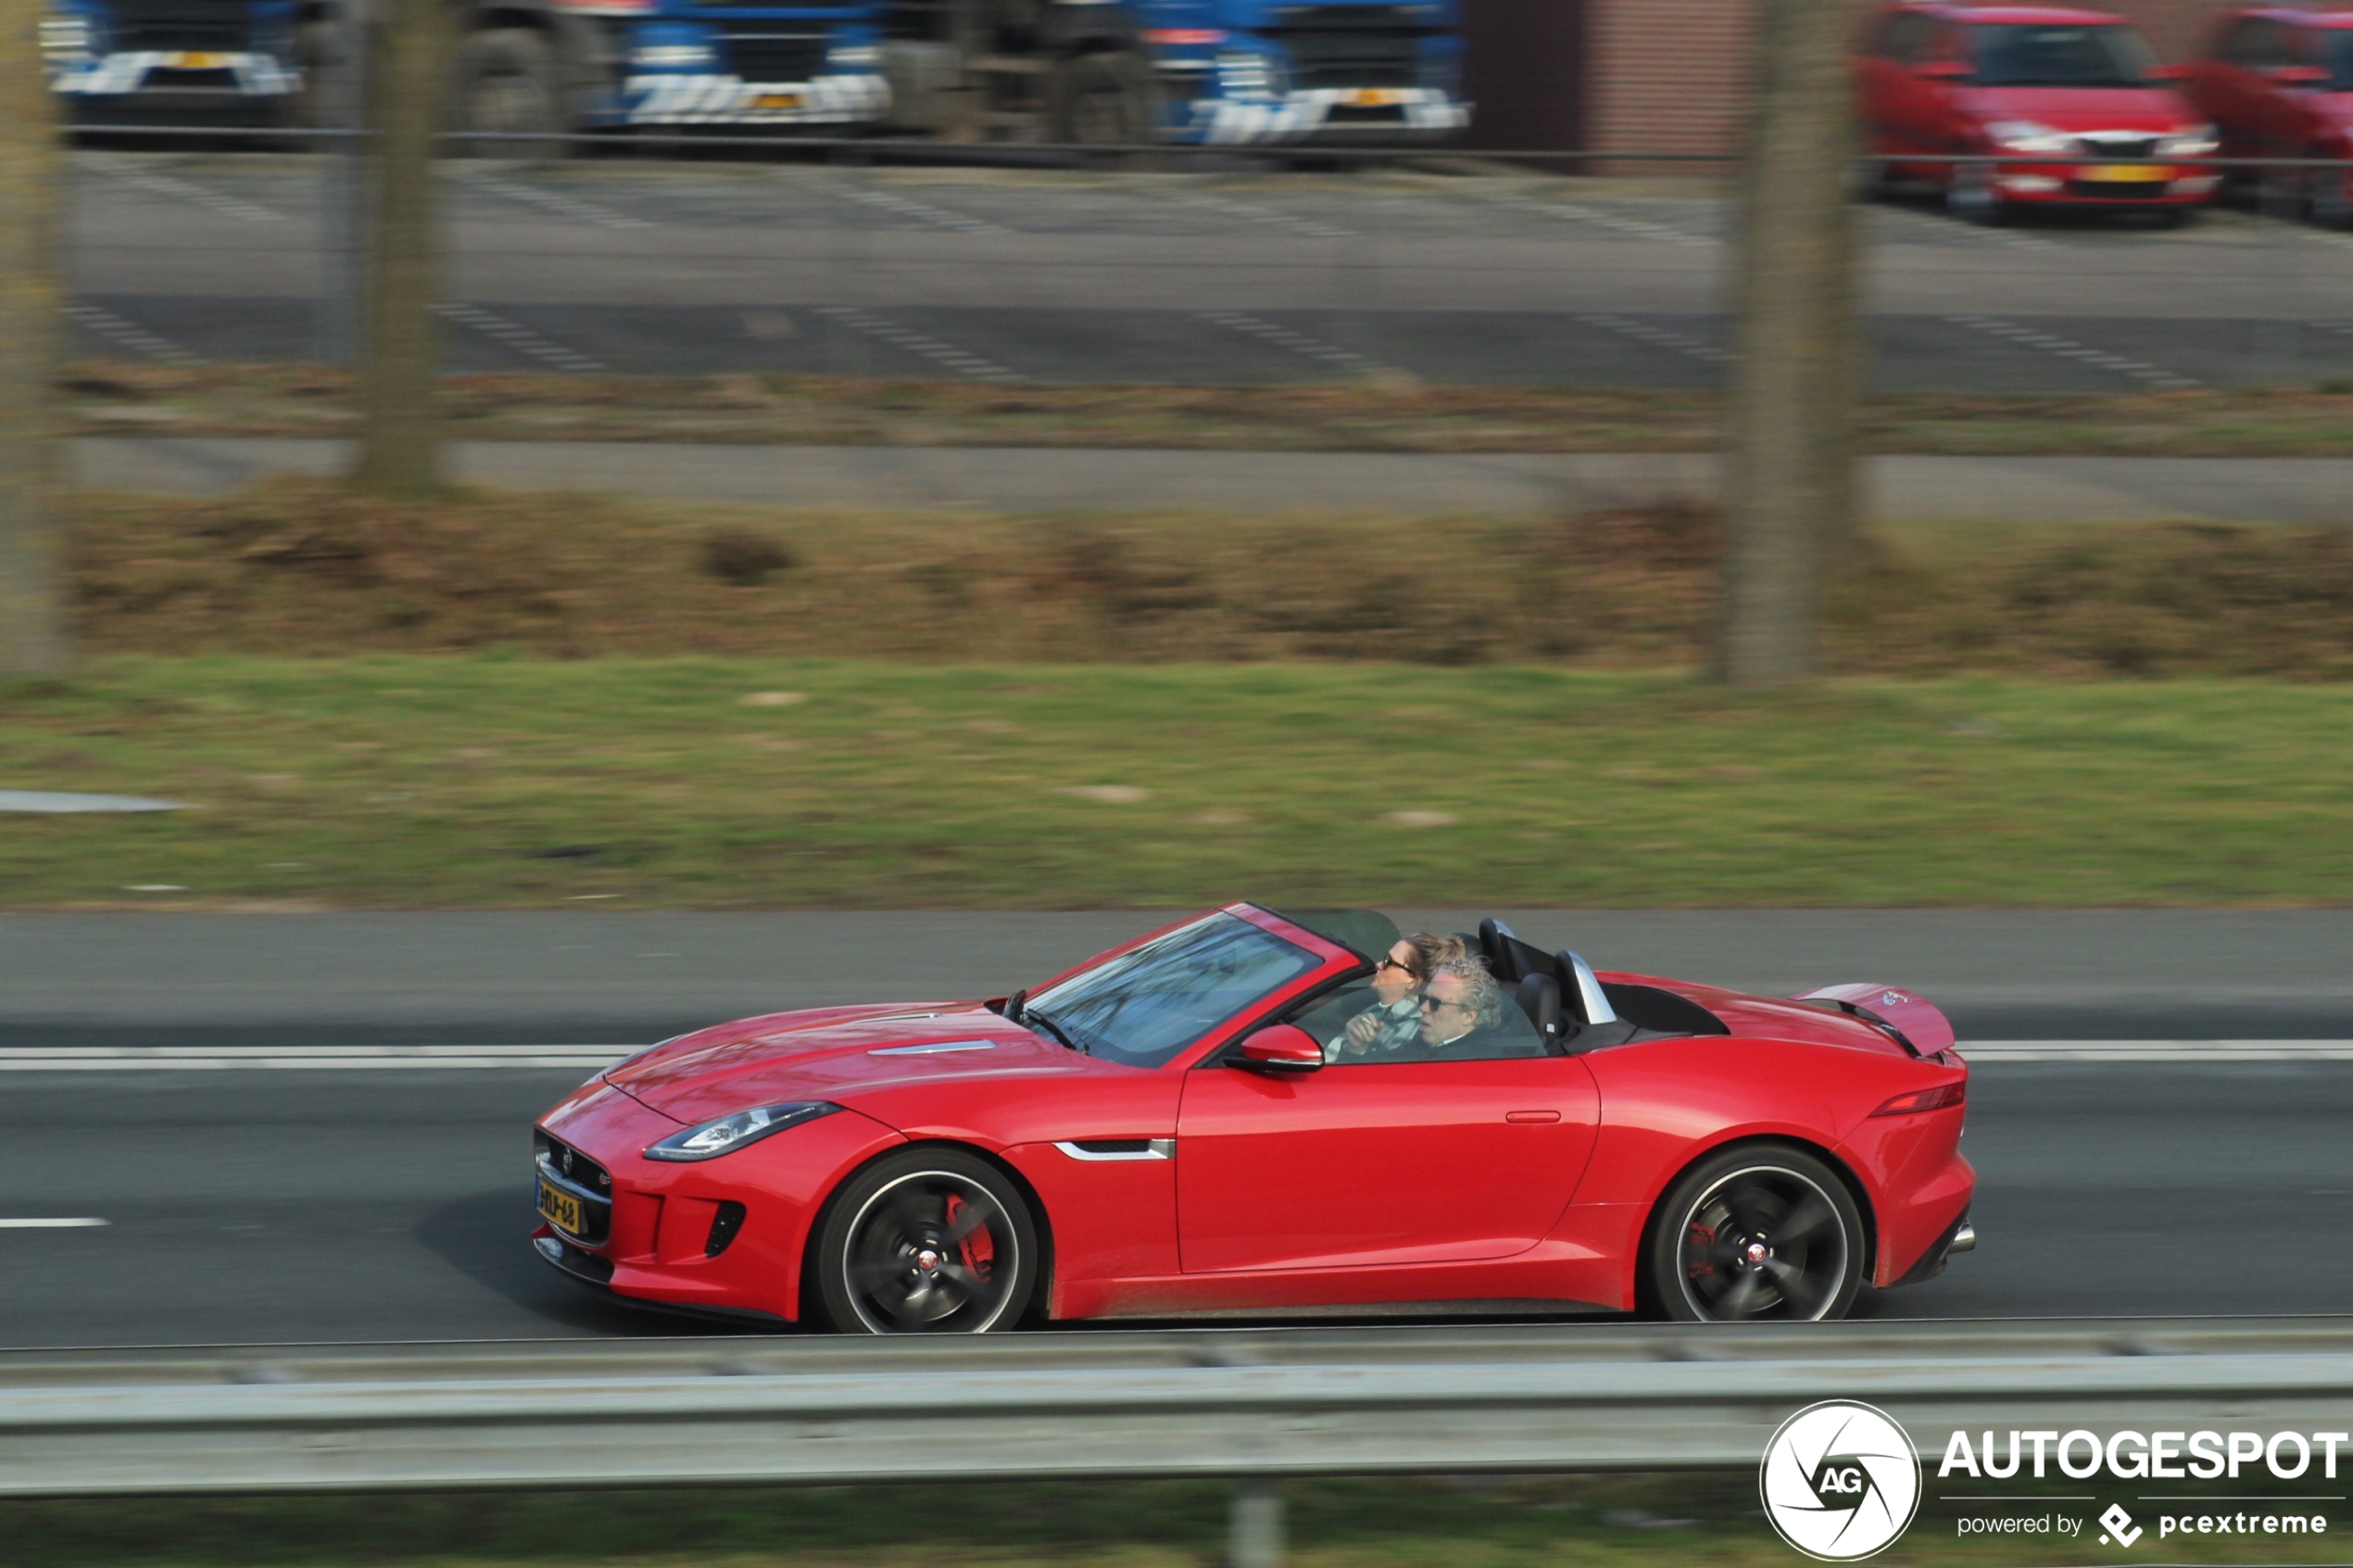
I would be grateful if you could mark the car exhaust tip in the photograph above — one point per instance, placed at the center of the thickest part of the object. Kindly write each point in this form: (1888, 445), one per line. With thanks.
(1964, 1239)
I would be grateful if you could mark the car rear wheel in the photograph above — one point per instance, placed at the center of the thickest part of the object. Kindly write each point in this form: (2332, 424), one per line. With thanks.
(1762, 1232)
(926, 1242)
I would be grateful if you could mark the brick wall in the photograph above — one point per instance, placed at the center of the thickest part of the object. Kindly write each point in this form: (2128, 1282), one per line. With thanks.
(1666, 75)
(1671, 75)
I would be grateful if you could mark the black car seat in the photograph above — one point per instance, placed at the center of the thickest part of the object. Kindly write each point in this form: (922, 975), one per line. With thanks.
(1495, 940)
(1539, 997)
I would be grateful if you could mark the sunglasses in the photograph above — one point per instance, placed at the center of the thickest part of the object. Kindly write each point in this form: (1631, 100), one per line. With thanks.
(1443, 1002)
(1392, 964)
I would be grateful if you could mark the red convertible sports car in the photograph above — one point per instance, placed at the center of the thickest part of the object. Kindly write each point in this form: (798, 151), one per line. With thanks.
(1196, 1123)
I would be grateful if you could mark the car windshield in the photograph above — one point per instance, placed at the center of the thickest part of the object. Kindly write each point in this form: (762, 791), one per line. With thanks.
(2053, 54)
(1145, 1006)
(2336, 50)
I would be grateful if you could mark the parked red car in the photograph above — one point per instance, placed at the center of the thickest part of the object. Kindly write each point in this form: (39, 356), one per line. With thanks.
(2039, 81)
(2279, 84)
(1177, 1125)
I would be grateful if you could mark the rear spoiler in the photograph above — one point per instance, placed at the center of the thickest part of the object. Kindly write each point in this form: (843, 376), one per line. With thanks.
(1914, 1023)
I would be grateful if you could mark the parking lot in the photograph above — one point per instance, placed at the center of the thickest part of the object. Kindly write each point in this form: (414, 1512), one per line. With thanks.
(1005, 276)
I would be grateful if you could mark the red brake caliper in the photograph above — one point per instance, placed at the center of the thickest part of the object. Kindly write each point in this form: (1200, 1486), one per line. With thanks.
(1702, 1239)
(976, 1249)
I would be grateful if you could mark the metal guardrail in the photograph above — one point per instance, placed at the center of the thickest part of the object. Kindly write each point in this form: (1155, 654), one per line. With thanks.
(658, 142)
(1249, 1402)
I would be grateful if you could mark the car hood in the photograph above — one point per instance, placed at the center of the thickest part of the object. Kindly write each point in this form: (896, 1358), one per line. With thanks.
(2157, 110)
(837, 1054)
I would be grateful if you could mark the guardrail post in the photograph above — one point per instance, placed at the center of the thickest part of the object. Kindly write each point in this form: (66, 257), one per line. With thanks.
(1255, 1537)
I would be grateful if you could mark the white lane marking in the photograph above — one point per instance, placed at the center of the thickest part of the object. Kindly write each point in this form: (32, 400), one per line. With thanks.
(1637, 228)
(907, 206)
(189, 191)
(902, 336)
(78, 1225)
(2158, 1050)
(129, 334)
(1660, 337)
(302, 1059)
(1310, 227)
(515, 335)
(557, 202)
(1296, 342)
(2068, 348)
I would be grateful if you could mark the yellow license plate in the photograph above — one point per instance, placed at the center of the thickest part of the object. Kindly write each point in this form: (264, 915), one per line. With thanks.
(778, 101)
(2127, 174)
(560, 1209)
(195, 62)
(1374, 98)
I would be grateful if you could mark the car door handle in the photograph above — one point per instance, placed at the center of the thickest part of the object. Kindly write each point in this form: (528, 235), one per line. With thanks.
(1531, 1116)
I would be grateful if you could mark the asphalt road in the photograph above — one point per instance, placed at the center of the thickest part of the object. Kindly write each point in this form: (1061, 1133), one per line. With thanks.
(252, 1203)
(1912, 488)
(995, 276)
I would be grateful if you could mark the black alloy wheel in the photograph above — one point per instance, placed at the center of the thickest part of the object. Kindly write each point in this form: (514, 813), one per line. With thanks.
(1759, 1233)
(926, 1242)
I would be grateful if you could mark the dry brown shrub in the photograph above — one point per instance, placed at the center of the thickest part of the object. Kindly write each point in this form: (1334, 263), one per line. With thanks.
(300, 567)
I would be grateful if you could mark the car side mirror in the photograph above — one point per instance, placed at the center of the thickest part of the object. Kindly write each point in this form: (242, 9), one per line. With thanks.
(2168, 73)
(1280, 1048)
(1944, 71)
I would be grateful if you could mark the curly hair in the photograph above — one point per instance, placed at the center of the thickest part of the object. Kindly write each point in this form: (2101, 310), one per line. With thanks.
(1480, 994)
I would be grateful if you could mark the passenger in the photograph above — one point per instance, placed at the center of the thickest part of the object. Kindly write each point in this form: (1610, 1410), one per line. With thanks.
(1461, 1003)
(1393, 1022)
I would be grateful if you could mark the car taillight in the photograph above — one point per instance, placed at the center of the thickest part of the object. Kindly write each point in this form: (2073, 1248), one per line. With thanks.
(1942, 1097)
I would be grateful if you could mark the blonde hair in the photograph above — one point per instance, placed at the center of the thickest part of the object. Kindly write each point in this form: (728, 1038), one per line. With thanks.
(1430, 952)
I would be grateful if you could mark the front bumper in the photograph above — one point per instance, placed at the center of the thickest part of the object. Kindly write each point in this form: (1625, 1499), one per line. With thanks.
(1383, 115)
(677, 98)
(2094, 186)
(155, 77)
(719, 1236)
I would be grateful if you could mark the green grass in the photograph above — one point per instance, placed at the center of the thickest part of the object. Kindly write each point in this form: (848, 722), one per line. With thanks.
(483, 781)
(1537, 1522)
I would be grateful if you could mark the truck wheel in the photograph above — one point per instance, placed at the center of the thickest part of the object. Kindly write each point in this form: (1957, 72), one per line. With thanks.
(319, 52)
(507, 85)
(1102, 101)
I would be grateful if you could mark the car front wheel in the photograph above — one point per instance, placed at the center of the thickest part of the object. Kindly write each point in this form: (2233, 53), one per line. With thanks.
(1761, 1233)
(926, 1242)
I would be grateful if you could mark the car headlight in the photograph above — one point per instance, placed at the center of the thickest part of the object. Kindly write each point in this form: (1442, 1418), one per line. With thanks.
(855, 58)
(2025, 136)
(2197, 143)
(731, 1133)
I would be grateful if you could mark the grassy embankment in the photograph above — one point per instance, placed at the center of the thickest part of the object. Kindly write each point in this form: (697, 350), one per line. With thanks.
(303, 400)
(537, 700)
(1637, 1522)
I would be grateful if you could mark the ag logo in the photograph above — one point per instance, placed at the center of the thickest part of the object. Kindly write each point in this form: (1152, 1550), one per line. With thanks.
(1839, 1481)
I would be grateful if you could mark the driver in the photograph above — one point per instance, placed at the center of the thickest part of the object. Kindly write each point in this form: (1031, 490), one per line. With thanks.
(1461, 1002)
(1394, 1021)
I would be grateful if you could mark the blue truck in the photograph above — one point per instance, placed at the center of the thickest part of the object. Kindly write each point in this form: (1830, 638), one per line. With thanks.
(1217, 72)
(160, 61)
(1099, 72)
